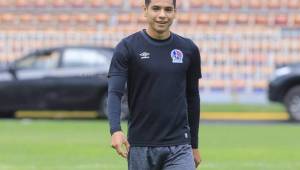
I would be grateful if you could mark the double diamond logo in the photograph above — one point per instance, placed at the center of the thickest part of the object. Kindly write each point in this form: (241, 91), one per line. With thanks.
(145, 55)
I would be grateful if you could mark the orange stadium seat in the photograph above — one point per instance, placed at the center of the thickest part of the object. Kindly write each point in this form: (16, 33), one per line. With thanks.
(217, 85)
(59, 3)
(23, 3)
(203, 19)
(234, 47)
(293, 4)
(101, 18)
(7, 18)
(97, 3)
(78, 3)
(261, 20)
(138, 18)
(41, 3)
(241, 19)
(207, 69)
(201, 85)
(179, 3)
(255, 4)
(82, 18)
(248, 68)
(238, 85)
(235, 4)
(294, 58)
(184, 18)
(44, 19)
(115, 3)
(204, 84)
(63, 18)
(222, 18)
(197, 3)
(238, 58)
(266, 70)
(296, 20)
(274, 4)
(259, 85)
(216, 4)
(281, 20)
(124, 18)
(26, 19)
(259, 59)
(136, 3)
(6, 3)
(227, 71)
(280, 59)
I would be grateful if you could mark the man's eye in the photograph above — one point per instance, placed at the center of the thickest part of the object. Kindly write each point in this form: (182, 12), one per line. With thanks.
(155, 9)
(169, 9)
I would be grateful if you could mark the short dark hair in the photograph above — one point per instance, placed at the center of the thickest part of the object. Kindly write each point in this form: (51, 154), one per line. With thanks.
(147, 2)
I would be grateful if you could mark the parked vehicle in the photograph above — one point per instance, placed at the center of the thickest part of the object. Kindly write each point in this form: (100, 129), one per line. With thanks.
(284, 88)
(63, 78)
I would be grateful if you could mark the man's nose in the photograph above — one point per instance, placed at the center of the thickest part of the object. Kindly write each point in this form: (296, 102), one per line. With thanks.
(162, 14)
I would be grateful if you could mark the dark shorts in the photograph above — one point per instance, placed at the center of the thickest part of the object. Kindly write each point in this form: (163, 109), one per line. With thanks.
(161, 158)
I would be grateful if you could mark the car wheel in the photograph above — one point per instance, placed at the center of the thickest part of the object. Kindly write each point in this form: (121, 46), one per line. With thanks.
(103, 107)
(7, 114)
(292, 103)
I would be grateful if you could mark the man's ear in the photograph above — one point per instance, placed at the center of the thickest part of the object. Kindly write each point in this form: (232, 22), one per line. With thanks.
(145, 10)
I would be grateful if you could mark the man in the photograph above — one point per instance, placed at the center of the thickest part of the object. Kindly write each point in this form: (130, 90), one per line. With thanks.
(162, 71)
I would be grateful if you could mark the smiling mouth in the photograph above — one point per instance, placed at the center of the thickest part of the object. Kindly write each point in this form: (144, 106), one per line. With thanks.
(162, 22)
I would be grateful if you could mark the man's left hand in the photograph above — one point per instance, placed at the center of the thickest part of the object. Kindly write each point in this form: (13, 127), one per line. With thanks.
(197, 157)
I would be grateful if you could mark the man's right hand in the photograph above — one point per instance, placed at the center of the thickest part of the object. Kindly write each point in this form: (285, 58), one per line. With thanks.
(118, 141)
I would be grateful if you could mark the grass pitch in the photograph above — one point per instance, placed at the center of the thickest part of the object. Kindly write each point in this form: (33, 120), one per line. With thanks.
(85, 145)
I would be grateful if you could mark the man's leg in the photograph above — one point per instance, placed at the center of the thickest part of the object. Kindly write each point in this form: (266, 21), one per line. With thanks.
(137, 158)
(147, 158)
(180, 158)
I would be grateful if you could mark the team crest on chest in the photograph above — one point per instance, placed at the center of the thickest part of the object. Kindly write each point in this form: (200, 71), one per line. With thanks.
(177, 56)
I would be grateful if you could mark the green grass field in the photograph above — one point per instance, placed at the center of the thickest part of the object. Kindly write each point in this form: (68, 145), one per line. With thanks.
(242, 108)
(85, 145)
(205, 108)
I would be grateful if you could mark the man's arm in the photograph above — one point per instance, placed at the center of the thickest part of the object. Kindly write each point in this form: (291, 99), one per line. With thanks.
(192, 95)
(117, 76)
(116, 86)
(193, 101)
(115, 92)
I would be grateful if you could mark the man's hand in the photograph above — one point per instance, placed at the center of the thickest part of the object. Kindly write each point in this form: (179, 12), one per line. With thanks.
(118, 139)
(197, 157)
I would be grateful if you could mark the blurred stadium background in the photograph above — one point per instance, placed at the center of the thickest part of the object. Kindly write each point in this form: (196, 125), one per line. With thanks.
(241, 41)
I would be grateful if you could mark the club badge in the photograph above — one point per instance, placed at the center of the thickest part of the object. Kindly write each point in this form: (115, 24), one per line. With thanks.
(177, 56)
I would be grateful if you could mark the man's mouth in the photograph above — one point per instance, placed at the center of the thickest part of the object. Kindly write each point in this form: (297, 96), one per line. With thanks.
(162, 23)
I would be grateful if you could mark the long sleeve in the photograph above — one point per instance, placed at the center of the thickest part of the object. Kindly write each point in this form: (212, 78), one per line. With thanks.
(117, 77)
(193, 97)
(116, 86)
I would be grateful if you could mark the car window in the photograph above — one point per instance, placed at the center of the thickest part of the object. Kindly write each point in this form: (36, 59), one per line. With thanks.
(47, 60)
(83, 58)
(25, 63)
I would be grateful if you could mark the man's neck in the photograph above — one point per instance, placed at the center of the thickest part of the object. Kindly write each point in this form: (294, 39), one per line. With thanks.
(158, 36)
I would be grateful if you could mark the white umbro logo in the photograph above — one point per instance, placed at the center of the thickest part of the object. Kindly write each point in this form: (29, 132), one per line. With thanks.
(145, 55)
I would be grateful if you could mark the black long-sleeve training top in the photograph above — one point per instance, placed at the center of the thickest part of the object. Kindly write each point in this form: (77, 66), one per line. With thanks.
(162, 82)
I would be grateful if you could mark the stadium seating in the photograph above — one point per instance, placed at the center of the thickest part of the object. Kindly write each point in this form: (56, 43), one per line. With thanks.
(97, 3)
(41, 4)
(293, 4)
(241, 41)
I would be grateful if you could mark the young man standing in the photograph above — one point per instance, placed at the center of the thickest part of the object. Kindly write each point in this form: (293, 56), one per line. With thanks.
(162, 71)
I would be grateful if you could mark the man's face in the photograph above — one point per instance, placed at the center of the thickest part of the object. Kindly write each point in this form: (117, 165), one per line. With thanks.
(160, 15)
